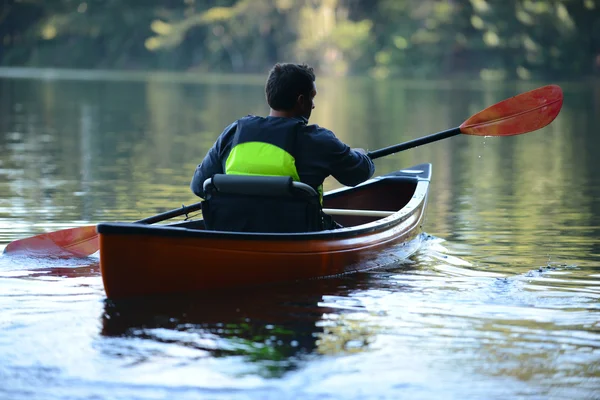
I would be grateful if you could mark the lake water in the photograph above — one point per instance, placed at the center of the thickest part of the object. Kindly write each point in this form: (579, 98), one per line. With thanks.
(501, 301)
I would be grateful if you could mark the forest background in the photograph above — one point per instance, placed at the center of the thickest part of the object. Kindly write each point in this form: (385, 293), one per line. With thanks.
(415, 39)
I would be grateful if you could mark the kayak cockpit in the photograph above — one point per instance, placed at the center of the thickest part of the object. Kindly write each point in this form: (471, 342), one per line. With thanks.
(385, 194)
(353, 206)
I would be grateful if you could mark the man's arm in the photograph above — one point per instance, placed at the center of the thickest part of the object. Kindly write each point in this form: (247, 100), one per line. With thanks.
(212, 163)
(349, 166)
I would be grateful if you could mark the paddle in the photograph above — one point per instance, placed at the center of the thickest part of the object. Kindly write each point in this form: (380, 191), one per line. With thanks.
(523, 113)
(79, 242)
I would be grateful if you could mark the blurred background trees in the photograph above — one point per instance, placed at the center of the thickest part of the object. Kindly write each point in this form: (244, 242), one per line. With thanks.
(489, 39)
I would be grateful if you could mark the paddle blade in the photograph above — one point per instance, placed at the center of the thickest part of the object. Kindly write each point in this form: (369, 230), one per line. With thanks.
(72, 242)
(523, 113)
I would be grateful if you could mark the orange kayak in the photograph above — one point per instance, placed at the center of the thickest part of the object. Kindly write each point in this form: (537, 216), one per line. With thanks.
(382, 220)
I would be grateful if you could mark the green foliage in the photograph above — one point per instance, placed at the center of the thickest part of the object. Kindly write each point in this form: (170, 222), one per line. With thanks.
(488, 39)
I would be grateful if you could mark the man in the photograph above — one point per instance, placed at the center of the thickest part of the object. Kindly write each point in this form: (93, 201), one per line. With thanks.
(283, 144)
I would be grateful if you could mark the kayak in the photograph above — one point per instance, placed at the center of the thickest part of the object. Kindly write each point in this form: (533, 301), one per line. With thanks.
(381, 221)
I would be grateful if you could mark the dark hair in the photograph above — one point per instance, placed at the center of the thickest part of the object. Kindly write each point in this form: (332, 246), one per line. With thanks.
(286, 82)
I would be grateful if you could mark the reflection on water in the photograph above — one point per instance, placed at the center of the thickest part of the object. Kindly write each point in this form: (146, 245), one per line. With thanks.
(415, 329)
(271, 329)
(502, 302)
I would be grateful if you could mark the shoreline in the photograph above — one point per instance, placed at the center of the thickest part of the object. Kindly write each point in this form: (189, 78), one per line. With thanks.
(455, 82)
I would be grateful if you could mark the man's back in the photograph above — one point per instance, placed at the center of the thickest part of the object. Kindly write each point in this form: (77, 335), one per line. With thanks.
(247, 147)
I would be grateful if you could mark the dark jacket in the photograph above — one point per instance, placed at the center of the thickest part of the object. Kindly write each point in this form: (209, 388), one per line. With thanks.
(317, 151)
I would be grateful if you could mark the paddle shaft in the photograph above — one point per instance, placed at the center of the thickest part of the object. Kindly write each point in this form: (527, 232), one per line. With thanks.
(413, 143)
(373, 155)
(171, 214)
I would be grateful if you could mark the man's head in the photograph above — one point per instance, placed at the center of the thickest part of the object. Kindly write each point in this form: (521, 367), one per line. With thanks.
(291, 89)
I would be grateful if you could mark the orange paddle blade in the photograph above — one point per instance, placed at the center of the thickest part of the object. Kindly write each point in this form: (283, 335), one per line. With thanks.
(78, 242)
(523, 113)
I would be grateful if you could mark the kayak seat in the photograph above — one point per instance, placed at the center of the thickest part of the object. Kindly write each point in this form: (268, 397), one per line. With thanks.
(265, 204)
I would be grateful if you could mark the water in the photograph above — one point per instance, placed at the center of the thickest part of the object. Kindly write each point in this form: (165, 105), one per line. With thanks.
(502, 300)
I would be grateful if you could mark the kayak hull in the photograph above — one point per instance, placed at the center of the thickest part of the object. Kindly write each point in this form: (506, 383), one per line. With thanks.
(138, 260)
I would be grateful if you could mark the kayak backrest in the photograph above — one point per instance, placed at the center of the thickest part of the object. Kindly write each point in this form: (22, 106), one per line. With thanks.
(253, 185)
(248, 203)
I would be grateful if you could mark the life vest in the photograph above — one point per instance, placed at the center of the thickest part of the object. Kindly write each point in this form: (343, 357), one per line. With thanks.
(262, 146)
(265, 146)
